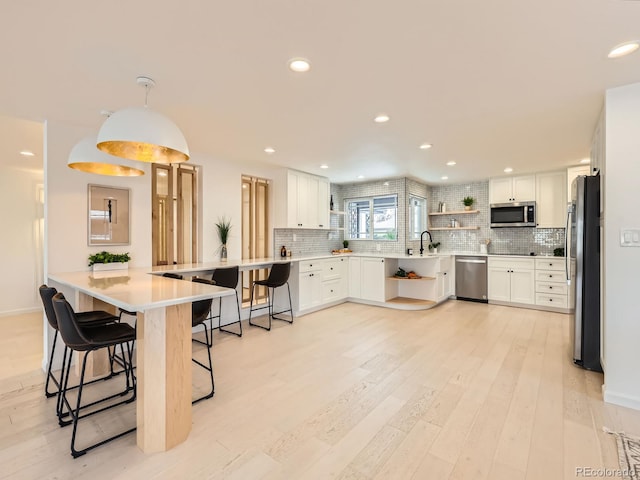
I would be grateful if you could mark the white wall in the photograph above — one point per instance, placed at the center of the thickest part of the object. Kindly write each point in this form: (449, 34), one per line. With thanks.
(222, 196)
(622, 264)
(66, 206)
(21, 214)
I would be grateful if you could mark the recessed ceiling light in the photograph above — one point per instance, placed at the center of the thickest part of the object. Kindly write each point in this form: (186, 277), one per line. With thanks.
(425, 146)
(324, 165)
(27, 153)
(623, 49)
(360, 177)
(269, 150)
(585, 160)
(508, 170)
(451, 163)
(299, 65)
(381, 118)
(445, 178)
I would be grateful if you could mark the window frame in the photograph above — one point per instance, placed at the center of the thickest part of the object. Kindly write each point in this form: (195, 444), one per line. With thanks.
(413, 233)
(370, 231)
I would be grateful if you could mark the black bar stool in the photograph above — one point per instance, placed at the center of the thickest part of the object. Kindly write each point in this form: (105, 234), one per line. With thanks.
(199, 312)
(228, 278)
(85, 319)
(278, 277)
(88, 339)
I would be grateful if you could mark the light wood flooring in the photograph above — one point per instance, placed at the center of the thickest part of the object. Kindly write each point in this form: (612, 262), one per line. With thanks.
(462, 391)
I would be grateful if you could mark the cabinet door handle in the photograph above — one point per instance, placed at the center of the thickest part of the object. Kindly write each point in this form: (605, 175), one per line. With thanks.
(382, 260)
(551, 264)
(550, 276)
(321, 226)
(331, 268)
(550, 288)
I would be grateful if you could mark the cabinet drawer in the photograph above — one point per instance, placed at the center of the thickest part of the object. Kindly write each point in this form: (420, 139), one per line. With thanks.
(511, 263)
(551, 276)
(555, 288)
(331, 269)
(550, 264)
(549, 300)
(331, 291)
(310, 265)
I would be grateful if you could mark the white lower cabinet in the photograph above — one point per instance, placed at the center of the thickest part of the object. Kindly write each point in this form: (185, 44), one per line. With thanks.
(511, 280)
(309, 285)
(322, 281)
(335, 273)
(551, 283)
(355, 276)
(372, 279)
(444, 279)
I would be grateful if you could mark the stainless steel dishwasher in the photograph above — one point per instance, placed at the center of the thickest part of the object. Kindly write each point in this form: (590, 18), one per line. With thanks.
(471, 278)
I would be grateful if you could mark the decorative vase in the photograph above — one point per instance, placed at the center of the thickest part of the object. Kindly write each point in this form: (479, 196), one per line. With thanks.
(223, 253)
(467, 207)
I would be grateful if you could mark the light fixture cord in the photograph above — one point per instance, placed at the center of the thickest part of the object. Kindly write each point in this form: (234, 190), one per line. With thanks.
(146, 94)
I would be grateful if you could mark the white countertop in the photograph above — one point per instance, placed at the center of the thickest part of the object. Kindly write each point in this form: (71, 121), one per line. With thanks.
(135, 290)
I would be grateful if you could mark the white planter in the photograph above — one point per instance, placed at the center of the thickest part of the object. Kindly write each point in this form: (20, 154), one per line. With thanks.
(103, 267)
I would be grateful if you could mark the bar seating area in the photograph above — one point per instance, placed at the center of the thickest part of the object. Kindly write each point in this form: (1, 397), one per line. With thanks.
(124, 348)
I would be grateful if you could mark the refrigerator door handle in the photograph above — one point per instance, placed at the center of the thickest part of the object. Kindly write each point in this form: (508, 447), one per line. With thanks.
(566, 245)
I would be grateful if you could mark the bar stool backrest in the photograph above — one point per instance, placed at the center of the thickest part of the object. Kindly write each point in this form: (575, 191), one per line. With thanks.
(279, 274)
(46, 294)
(200, 308)
(67, 324)
(226, 277)
(177, 276)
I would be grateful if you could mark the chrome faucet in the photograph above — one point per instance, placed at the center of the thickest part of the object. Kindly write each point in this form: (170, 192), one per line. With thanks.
(421, 237)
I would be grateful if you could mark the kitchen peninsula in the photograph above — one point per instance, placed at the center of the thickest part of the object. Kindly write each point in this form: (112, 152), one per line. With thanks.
(163, 342)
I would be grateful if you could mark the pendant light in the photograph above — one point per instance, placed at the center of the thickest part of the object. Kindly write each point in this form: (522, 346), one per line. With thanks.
(87, 158)
(139, 133)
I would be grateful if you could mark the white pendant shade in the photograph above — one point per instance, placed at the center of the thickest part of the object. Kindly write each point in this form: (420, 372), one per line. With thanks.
(139, 133)
(87, 158)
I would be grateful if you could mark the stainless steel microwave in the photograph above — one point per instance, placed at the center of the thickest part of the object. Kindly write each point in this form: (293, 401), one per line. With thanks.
(518, 214)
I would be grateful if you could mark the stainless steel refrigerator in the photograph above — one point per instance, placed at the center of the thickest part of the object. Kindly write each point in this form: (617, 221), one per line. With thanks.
(583, 270)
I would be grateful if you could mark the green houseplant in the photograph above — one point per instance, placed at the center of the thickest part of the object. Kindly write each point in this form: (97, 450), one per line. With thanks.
(109, 261)
(468, 202)
(224, 226)
(434, 247)
(345, 243)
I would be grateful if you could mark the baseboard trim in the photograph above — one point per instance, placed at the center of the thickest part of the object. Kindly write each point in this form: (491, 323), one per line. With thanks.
(20, 311)
(620, 399)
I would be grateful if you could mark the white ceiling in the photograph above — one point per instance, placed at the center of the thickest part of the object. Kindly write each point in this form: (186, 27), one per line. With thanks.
(491, 84)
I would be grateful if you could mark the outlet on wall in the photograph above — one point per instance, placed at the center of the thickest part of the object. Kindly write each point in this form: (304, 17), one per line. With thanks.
(378, 247)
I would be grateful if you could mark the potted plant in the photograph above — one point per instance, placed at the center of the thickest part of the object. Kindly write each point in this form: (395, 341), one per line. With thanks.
(468, 202)
(433, 247)
(223, 226)
(109, 261)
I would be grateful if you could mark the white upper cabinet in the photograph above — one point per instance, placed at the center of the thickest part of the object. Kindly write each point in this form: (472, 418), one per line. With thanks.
(302, 201)
(551, 205)
(512, 189)
(572, 173)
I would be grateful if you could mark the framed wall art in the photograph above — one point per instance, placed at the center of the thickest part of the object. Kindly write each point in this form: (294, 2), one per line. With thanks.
(108, 215)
